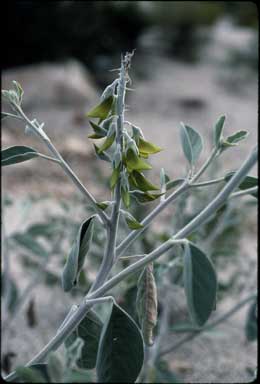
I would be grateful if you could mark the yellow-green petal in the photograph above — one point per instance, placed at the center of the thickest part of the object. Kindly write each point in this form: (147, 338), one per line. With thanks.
(147, 148)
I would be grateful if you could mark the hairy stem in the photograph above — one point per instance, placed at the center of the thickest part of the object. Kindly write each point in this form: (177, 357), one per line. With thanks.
(109, 255)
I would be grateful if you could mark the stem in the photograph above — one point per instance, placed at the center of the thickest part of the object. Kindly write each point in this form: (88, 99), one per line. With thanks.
(59, 338)
(205, 165)
(244, 192)
(46, 140)
(48, 158)
(206, 183)
(109, 257)
(213, 324)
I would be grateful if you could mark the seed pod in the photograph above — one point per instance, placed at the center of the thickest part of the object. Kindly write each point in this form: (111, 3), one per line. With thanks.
(146, 303)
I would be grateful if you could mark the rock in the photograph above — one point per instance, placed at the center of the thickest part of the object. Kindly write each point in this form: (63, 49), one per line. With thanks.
(52, 85)
(57, 94)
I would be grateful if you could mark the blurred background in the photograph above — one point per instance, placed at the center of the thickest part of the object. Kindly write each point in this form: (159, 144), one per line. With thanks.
(194, 61)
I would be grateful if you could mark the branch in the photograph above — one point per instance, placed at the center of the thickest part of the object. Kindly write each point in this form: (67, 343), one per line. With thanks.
(46, 140)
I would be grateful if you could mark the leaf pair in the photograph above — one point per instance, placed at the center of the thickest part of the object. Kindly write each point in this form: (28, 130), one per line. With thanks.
(230, 141)
(77, 255)
(115, 348)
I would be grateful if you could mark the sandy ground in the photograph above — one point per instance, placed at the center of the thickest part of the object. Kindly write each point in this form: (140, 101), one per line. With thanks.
(173, 92)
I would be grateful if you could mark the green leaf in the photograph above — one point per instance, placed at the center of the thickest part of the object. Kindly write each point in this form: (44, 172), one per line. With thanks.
(30, 375)
(28, 242)
(107, 143)
(218, 130)
(141, 182)
(251, 322)
(174, 183)
(200, 284)
(147, 148)
(145, 197)
(102, 110)
(248, 182)
(236, 137)
(121, 350)
(19, 91)
(103, 155)
(131, 221)
(146, 303)
(17, 154)
(125, 197)
(104, 204)
(114, 177)
(134, 162)
(192, 143)
(77, 255)
(55, 368)
(89, 330)
(99, 132)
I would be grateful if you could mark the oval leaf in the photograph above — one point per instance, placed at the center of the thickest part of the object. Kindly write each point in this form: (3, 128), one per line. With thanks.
(121, 350)
(89, 330)
(17, 154)
(146, 303)
(200, 284)
(77, 255)
(192, 143)
(236, 137)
